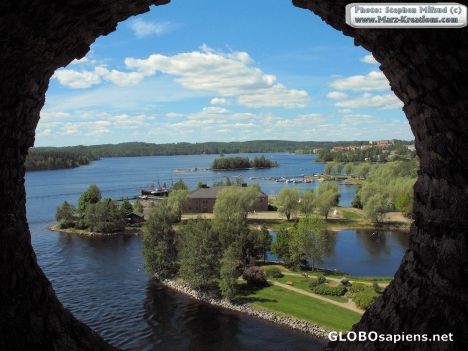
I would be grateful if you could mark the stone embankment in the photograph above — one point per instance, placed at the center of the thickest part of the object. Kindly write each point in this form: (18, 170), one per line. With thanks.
(287, 321)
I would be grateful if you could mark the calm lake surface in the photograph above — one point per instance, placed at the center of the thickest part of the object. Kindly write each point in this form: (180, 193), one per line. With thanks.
(102, 281)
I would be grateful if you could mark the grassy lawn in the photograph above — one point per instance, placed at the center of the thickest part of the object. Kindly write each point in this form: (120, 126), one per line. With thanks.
(302, 307)
(303, 284)
(356, 279)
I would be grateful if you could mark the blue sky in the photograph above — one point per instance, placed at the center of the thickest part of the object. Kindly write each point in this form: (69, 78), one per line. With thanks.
(221, 71)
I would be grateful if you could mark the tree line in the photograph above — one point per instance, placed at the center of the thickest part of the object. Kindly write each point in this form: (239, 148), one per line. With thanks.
(320, 200)
(387, 187)
(151, 149)
(242, 163)
(56, 159)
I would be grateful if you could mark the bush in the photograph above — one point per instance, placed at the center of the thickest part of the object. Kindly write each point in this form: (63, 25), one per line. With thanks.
(345, 281)
(254, 276)
(376, 287)
(365, 298)
(273, 272)
(357, 287)
(321, 279)
(329, 290)
(314, 282)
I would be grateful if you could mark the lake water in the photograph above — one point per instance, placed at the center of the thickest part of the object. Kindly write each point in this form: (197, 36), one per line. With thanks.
(102, 281)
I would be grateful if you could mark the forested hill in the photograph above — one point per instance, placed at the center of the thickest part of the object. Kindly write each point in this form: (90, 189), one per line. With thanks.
(39, 160)
(149, 149)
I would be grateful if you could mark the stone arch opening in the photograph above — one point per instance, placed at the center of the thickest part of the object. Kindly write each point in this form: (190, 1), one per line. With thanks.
(426, 69)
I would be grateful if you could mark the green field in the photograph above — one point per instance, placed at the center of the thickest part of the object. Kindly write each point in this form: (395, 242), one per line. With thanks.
(302, 307)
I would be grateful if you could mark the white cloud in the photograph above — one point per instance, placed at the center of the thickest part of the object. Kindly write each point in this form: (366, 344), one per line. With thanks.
(142, 28)
(80, 61)
(85, 78)
(45, 132)
(226, 74)
(370, 60)
(48, 116)
(218, 101)
(275, 96)
(358, 119)
(375, 80)
(215, 109)
(77, 80)
(121, 79)
(337, 95)
(387, 101)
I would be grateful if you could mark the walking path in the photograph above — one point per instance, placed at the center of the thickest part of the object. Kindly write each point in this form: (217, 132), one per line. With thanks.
(384, 285)
(348, 305)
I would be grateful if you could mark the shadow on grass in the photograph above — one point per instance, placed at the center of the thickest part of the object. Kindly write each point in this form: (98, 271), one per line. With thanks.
(245, 293)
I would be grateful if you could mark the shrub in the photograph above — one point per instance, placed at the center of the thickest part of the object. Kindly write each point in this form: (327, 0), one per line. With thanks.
(365, 298)
(376, 287)
(357, 287)
(254, 276)
(321, 279)
(345, 281)
(273, 272)
(329, 290)
(313, 283)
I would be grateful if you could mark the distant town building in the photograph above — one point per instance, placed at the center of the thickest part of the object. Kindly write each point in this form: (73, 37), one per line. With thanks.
(203, 200)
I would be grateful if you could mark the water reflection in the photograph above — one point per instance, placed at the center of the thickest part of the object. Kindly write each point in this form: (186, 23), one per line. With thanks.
(374, 242)
(363, 252)
(178, 322)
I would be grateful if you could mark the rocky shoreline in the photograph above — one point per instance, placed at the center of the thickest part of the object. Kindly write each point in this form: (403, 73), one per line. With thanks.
(56, 228)
(290, 322)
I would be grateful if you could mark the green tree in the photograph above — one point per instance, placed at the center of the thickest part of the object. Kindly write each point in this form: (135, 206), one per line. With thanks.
(327, 195)
(348, 168)
(200, 253)
(104, 217)
(138, 206)
(159, 246)
(177, 201)
(65, 215)
(288, 201)
(404, 203)
(308, 201)
(230, 212)
(229, 272)
(362, 170)
(309, 240)
(264, 241)
(375, 206)
(280, 246)
(91, 196)
(180, 185)
(126, 208)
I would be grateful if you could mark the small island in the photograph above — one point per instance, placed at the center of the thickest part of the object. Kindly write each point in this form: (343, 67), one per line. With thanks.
(96, 216)
(231, 163)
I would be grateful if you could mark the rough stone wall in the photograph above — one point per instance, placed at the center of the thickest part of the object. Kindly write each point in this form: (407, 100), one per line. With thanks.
(427, 69)
(37, 37)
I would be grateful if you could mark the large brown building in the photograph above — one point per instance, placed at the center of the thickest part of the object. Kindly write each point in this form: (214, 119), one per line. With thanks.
(203, 200)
